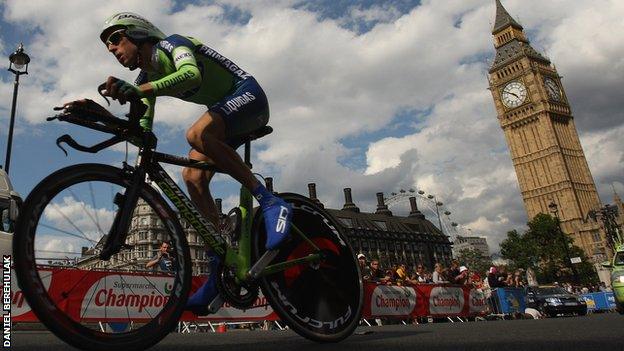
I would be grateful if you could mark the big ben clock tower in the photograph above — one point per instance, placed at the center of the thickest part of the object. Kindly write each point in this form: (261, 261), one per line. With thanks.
(535, 115)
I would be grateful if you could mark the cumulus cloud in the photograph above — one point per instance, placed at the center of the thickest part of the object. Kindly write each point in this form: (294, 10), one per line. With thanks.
(378, 98)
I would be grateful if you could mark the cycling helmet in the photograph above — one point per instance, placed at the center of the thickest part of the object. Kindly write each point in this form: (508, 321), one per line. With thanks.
(137, 28)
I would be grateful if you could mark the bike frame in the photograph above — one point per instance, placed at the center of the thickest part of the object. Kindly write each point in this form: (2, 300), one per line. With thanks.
(149, 164)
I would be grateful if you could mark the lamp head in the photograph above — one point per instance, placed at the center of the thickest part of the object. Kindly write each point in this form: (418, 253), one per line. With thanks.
(18, 60)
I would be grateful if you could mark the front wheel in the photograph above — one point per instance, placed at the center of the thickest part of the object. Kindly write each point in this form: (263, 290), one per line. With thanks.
(320, 301)
(88, 302)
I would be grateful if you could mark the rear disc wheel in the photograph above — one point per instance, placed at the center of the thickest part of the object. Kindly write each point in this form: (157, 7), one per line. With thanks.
(320, 301)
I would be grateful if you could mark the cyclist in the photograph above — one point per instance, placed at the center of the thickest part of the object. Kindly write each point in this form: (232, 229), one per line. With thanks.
(182, 67)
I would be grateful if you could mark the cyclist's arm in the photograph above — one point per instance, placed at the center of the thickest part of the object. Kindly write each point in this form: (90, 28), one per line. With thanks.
(148, 118)
(186, 75)
(154, 261)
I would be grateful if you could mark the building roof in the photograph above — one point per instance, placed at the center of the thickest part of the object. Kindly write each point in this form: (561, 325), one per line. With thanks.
(503, 19)
(513, 50)
(386, 223)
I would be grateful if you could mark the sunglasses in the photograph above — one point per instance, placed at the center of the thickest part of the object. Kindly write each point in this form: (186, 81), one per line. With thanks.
(115, 37)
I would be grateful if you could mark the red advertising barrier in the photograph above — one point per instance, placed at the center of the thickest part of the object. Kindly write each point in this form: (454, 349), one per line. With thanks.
(421, 300)
(98, 295)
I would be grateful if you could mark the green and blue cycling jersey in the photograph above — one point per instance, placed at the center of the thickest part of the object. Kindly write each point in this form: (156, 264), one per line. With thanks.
(185, 68)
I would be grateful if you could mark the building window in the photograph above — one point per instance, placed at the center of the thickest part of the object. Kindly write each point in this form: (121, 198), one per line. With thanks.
(348, 222)
(596, 236)
(381, 224)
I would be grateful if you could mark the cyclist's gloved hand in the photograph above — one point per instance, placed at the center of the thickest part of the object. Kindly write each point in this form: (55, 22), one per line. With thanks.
(146, 123)
(85, 108)
(121, 90)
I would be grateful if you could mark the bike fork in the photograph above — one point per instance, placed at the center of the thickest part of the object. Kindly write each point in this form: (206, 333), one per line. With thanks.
(126, 203)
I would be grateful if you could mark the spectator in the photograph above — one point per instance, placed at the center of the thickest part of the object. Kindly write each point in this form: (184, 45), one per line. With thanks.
(162, 260)
(401, 273)
(375, 274)
(420, 276)
(462, 277)
(509, 280)
(453, 271)
(492, 279)
(517, 279)
(475, 279)
(391, 274)
(362, 262)
(604, 288)
(439, 274)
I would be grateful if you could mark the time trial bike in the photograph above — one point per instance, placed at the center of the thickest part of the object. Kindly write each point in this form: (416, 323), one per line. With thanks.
(86, 231)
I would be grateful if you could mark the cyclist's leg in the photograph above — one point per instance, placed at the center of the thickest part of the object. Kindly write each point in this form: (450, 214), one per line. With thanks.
(197, 182)
(207, 136)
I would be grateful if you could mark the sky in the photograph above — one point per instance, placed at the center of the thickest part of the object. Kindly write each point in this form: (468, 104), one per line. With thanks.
(373, 95)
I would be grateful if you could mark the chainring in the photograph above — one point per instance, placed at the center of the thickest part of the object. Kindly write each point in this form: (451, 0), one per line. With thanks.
(241, 296)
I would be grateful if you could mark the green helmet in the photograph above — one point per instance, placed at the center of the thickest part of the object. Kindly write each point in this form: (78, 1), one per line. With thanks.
(137, 28)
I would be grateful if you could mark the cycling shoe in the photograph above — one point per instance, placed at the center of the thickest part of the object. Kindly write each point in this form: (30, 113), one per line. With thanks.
(199, 301)
(277, 215)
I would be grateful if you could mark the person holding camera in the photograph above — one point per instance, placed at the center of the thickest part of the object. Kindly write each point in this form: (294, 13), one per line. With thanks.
(163, 259)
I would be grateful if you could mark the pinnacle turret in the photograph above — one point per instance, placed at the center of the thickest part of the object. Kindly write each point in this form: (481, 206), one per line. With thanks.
(503, 19)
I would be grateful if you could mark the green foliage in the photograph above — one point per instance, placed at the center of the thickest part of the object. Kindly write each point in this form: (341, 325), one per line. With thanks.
(520, 251)
(543, 248)
(474, 260)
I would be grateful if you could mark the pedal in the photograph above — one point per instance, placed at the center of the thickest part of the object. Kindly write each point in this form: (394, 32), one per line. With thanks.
(215, 305)
(264, 261)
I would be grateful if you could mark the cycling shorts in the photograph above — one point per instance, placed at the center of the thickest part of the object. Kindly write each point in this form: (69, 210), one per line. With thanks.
(244, 111)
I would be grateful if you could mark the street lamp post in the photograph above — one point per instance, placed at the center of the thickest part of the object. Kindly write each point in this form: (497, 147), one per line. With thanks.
(18, 65)
(555, 210)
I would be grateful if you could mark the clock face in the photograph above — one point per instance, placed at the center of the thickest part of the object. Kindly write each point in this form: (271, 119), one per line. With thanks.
(514, 94)
(552, 89)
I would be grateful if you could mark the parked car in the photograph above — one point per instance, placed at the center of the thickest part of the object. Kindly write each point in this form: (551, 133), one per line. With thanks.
(554, 300)
(617, 277)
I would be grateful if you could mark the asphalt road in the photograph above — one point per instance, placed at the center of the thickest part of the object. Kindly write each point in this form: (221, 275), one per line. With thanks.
(594, 332)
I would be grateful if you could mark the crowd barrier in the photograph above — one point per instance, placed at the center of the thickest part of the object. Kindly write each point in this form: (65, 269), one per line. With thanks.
(507, 301)
(600, 301)
(101, 294)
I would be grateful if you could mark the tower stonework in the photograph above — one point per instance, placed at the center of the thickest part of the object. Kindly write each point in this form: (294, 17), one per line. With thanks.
(535, 115)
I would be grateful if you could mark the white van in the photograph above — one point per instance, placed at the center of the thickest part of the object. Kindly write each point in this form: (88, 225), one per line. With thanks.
(10, 202)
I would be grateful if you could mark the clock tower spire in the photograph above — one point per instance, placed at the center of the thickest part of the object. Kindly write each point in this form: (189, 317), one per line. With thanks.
(534, 113)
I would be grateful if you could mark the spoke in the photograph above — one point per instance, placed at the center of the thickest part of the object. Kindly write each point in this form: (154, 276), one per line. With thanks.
(79, 280)
(68, 233)
(91, 297)
(71, 222)
(131, 290)
(84, 207)
(124, 291)
(94, 206)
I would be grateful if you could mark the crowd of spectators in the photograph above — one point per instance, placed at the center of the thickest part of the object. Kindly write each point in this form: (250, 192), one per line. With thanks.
(457, 273)
(400, 273)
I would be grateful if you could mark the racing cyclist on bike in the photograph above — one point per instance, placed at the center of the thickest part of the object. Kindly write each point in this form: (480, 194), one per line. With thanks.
(183, 67)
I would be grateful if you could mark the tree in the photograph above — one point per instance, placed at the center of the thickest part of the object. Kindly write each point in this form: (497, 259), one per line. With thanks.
(543, 248)
(521, 251)
(475, 260)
